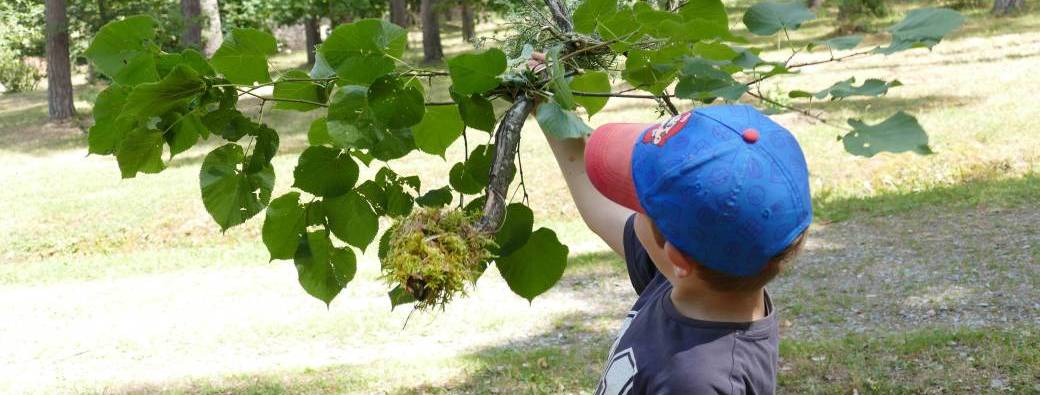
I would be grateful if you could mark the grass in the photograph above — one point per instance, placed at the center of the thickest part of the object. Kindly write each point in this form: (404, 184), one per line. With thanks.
(921, 275)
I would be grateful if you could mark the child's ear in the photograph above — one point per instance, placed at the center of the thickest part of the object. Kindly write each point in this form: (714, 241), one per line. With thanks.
(682, 265)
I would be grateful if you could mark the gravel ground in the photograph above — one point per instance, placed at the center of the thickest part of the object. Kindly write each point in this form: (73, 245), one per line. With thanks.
(928, 268)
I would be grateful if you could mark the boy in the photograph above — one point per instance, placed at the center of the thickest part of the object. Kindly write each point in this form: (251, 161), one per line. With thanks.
(706, 208)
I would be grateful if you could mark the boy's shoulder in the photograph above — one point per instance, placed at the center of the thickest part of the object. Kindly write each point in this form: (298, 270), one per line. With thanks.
(658, 350)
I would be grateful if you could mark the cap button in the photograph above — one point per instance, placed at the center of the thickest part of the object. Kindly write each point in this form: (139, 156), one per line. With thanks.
(750, 135)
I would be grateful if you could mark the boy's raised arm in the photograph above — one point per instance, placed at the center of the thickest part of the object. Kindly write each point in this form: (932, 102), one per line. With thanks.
(604, 217)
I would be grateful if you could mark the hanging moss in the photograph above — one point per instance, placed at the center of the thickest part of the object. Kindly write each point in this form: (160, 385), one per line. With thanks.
(433, 254)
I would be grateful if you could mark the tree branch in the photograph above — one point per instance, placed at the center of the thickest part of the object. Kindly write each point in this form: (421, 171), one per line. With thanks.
(560, 15)
(503, 167)
(262, 98)
(619, 94)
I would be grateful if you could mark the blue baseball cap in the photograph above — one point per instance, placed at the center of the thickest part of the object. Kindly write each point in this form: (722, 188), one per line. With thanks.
(724, 184)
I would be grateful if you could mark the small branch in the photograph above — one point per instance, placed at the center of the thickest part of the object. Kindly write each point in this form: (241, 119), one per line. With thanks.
(618, 94)
(560, 15)
(586, 49)
(507, 137)
(440, 103)
(668, 103)
(798, 110)
(832, 59)
(250, 93)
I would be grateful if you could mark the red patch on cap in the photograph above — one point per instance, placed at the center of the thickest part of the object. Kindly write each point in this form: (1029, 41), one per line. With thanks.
(664, 131)
(750, 135)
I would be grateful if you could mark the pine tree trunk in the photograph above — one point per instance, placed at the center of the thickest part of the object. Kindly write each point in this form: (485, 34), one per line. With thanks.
(59, 69)
(212, 36)
(192, 34)
(399, 13)
(432, 51)
(814, 4)
(1005, 7)
(310, 28)
(468, 29)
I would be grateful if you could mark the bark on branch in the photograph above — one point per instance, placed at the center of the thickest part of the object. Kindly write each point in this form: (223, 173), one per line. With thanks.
(503, 166)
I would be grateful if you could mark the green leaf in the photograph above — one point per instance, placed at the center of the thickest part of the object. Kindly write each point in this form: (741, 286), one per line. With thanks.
(125, 50)
(621, 26)
(590, 11)
(474, 73)
(461, 181)
(352, 220)
(559, 123)
(558, 81)
(285, 222)
(702, 80)
(435, 198)
(109, 129)
(230, 195)
(321, 68)
(870, 87)
(265, 146)
(156, 98)
(922, 27)
(591, 82)
(714, 51)
(324, 171)
(188, 57)
(653, 70)
(477, 112)
(185, 133)
(141, 151)
(767, 17)
(229, 123)
(394, 104)
(709, 12)
(440, 127)
(242, 58)
(297, 90)
(472, 176)
(349, 103)
(516, 229)
(318, 134)
(399, 296)
(365, 50)
(843, 42)
(392, 144)
(537, 266)
(898, 133)
(322, 269)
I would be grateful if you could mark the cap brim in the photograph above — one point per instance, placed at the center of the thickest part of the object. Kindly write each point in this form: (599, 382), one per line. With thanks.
(608, 162)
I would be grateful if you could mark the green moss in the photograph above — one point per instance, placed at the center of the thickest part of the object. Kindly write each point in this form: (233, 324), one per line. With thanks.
(433, 254)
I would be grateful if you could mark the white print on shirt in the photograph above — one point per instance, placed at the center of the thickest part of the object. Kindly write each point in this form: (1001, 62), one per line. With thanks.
(620, 372)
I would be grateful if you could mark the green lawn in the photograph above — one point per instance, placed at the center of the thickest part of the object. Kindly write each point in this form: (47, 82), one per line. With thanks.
(922, 274)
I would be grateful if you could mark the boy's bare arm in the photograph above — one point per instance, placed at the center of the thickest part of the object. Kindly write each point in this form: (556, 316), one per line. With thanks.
(604, 217)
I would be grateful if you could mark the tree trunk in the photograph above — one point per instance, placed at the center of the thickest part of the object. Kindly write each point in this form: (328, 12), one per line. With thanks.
(468, 30)
(399, 13)
(1005, 7)
(212, 36)
(192, 34)
(310, 27)
(59, 69)
(814, 4)
(432, 51)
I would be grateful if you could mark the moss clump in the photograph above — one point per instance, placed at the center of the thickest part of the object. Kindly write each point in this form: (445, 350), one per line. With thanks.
(433, 254)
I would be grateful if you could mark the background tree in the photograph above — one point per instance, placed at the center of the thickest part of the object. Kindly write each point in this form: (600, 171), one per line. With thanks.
(212, 35)
(59, 70)
(191, 11)
(1005, 7)
(399, 13)
(468, 20)
(431, 32)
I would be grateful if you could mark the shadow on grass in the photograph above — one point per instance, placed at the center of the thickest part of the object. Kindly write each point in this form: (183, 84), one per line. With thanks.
(983, 190)
(888, 104)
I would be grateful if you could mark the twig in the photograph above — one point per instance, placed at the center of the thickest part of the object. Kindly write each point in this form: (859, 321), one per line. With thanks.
(440, 103)
(618, 94)
(832, 59)
(798, 110)
(668, 103)
(250, 93)
(560, 15)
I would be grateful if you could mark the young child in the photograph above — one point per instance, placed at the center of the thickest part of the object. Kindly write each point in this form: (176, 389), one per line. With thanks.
(706, 208)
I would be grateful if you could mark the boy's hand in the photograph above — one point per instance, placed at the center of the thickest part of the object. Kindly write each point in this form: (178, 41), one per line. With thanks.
(537, 62)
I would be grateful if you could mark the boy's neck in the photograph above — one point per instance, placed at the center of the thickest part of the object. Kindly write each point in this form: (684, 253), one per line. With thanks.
(705, 304)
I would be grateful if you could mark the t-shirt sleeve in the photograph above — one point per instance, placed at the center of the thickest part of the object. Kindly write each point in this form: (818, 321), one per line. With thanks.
(640, 268)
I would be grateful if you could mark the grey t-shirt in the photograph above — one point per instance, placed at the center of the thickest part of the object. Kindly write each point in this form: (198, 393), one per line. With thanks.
(660, 351)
